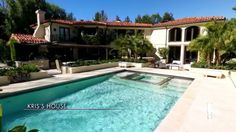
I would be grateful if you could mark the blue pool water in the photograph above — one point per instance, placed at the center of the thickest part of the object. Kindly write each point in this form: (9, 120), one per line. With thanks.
(110, 102)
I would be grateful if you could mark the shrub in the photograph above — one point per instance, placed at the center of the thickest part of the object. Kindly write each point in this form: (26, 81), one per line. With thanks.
(230, 65)
(29, 68)
(163, 52)
(202, 64)
(3, 72)
(135, 60)
(90, 62)
(19, 74)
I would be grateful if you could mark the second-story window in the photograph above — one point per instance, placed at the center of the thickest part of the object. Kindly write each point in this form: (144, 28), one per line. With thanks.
(191, 33)
(90, 31)
(64, 34)
(175, 34)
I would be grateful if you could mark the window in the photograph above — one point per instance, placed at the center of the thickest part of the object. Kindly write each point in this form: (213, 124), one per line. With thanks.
(90, 31)
(191, 33)
(175, 34)
(64, 34)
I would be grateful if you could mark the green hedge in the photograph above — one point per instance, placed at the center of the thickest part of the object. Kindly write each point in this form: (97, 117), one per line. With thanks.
(90, 62)
(94, 62)
(135, 60)
(231, 65)
(18, 74)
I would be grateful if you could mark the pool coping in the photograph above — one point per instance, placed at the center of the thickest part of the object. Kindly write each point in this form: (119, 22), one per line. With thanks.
(186, 101)
(37, 88)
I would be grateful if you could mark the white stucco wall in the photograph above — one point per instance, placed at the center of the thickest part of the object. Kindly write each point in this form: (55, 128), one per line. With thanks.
(148, 33)
(203, 30)
(55, 29)
(158, 37)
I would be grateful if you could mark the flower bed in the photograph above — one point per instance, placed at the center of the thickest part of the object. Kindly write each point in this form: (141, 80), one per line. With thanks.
(20, 74)
(43, 64)
(78, 69)
(231, 65)
(132, 64)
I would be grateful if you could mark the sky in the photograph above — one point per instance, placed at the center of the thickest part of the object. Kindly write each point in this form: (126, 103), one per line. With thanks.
(85, 9)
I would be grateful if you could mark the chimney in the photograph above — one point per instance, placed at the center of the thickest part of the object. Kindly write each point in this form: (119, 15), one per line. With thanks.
(39, 31)
(40, 16)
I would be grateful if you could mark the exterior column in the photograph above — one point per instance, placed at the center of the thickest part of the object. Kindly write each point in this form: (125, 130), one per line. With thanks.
(214, 56)
(183, 34)
(182, 50)
(182, 54)
(198, 56)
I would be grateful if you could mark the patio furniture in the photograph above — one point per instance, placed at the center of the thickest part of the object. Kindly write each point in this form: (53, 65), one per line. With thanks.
(216, 74)
(125, 64)
(175, 64)
(160, 65)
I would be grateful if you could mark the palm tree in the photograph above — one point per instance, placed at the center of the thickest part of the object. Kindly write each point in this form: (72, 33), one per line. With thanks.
(221, 38)
(11, 43)
(215, 33)
(138, 46)
(122, 45)
(202, 45)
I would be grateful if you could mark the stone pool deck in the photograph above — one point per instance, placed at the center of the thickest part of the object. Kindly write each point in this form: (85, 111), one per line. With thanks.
(208, 105)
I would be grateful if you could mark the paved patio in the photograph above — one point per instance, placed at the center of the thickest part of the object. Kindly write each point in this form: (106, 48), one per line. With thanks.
(208, 105)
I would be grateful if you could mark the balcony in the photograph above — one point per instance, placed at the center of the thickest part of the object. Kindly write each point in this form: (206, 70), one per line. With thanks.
(59, 38)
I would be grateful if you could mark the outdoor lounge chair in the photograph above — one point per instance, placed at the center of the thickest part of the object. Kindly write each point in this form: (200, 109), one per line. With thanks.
(161, 65)
(125, 64)
(175, 64)
(216, 74)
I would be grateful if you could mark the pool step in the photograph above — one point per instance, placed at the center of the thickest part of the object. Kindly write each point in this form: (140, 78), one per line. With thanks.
(135, 75)
(166, 80)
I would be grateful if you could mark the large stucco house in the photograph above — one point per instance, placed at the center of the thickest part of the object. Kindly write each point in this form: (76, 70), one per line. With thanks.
(63, 37)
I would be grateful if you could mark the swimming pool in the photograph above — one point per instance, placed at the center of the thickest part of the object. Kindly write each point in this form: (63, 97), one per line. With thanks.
(126, 101)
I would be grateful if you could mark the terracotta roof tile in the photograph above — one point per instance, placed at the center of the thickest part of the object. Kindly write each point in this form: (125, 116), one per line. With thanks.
(115, 24)
(128, 24)
(29, 39)
(190, 20)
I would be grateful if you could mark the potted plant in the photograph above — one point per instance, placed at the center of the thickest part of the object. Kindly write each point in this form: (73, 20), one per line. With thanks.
(164, 54)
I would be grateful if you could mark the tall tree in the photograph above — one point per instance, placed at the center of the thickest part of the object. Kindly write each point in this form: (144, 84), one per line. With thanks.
(234, 8)
(118, 18)
(167, 17)
(2, 3)
(138, 19)
(127, 19)
(97, 16)
(17, 15)
(100, 16)
(150, 19)
(156, 18)
(146, 19)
